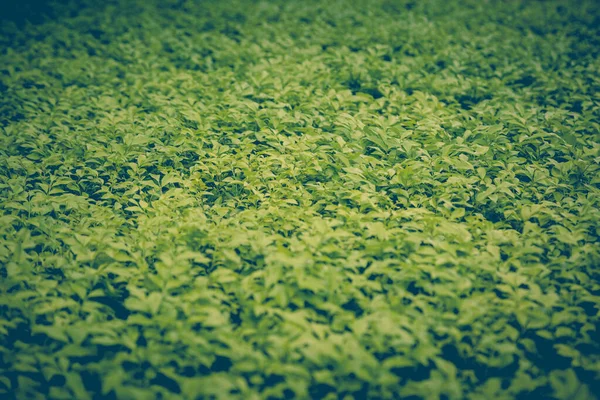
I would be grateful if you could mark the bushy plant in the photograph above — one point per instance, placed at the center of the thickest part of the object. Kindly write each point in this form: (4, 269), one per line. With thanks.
(276, 199)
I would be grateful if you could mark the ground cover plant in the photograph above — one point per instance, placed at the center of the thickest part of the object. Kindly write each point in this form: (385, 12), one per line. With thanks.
(316, 199)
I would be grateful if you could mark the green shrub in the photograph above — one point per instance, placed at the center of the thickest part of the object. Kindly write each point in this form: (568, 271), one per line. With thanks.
(273, 199)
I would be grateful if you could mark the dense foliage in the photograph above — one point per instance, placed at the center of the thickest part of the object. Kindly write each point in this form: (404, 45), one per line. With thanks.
(310, 199)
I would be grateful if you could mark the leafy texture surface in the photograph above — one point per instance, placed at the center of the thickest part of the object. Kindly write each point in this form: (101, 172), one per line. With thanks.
(281, 199)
